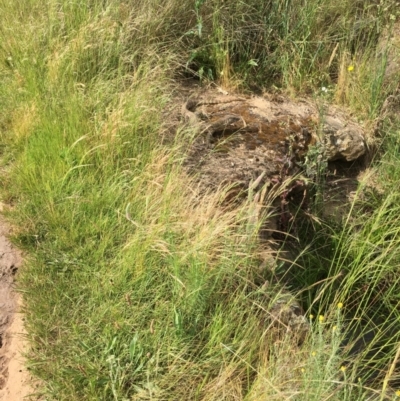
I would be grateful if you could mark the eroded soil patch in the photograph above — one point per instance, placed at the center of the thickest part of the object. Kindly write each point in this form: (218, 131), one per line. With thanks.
(238, 138)
(281, 145)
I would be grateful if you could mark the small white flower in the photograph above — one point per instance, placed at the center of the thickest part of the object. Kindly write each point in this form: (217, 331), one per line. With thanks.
(325, 90)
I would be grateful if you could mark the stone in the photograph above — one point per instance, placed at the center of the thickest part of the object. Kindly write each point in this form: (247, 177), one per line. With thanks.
(342, 140)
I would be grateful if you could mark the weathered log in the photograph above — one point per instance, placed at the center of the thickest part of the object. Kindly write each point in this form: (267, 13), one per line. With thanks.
(262, 122)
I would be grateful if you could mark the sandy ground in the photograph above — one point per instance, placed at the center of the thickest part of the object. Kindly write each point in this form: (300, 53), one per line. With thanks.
(17, 385)
(14, 377)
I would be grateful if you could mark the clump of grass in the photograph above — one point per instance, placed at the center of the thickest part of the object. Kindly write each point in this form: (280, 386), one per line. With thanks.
(358, 262)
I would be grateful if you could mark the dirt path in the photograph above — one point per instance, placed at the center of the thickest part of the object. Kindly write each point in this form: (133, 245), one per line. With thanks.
(14, 377)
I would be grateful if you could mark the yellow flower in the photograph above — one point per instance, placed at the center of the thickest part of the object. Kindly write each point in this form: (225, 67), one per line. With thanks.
(334, 328)
(311, 317)
(350, 68)
(321, 318)
(340, 305)
(398, 393)
(313, 353)
(343, 368)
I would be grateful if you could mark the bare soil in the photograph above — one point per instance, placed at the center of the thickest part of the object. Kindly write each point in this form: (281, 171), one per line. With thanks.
(14, 376)
(238, 138)
(279, 143)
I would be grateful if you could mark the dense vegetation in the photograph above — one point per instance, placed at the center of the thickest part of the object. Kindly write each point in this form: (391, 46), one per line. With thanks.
(136, 289)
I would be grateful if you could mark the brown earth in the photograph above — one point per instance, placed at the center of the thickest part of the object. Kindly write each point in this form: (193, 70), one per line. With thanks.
(272, 149)
(14, 376)
(238, 138)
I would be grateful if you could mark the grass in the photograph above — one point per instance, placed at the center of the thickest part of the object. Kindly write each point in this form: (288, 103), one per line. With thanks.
(136, 287)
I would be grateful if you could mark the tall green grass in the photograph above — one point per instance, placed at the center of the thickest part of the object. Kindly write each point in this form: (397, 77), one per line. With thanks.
(137, 286)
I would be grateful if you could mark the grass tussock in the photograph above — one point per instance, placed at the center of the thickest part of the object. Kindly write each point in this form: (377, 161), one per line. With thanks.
(138, 286)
